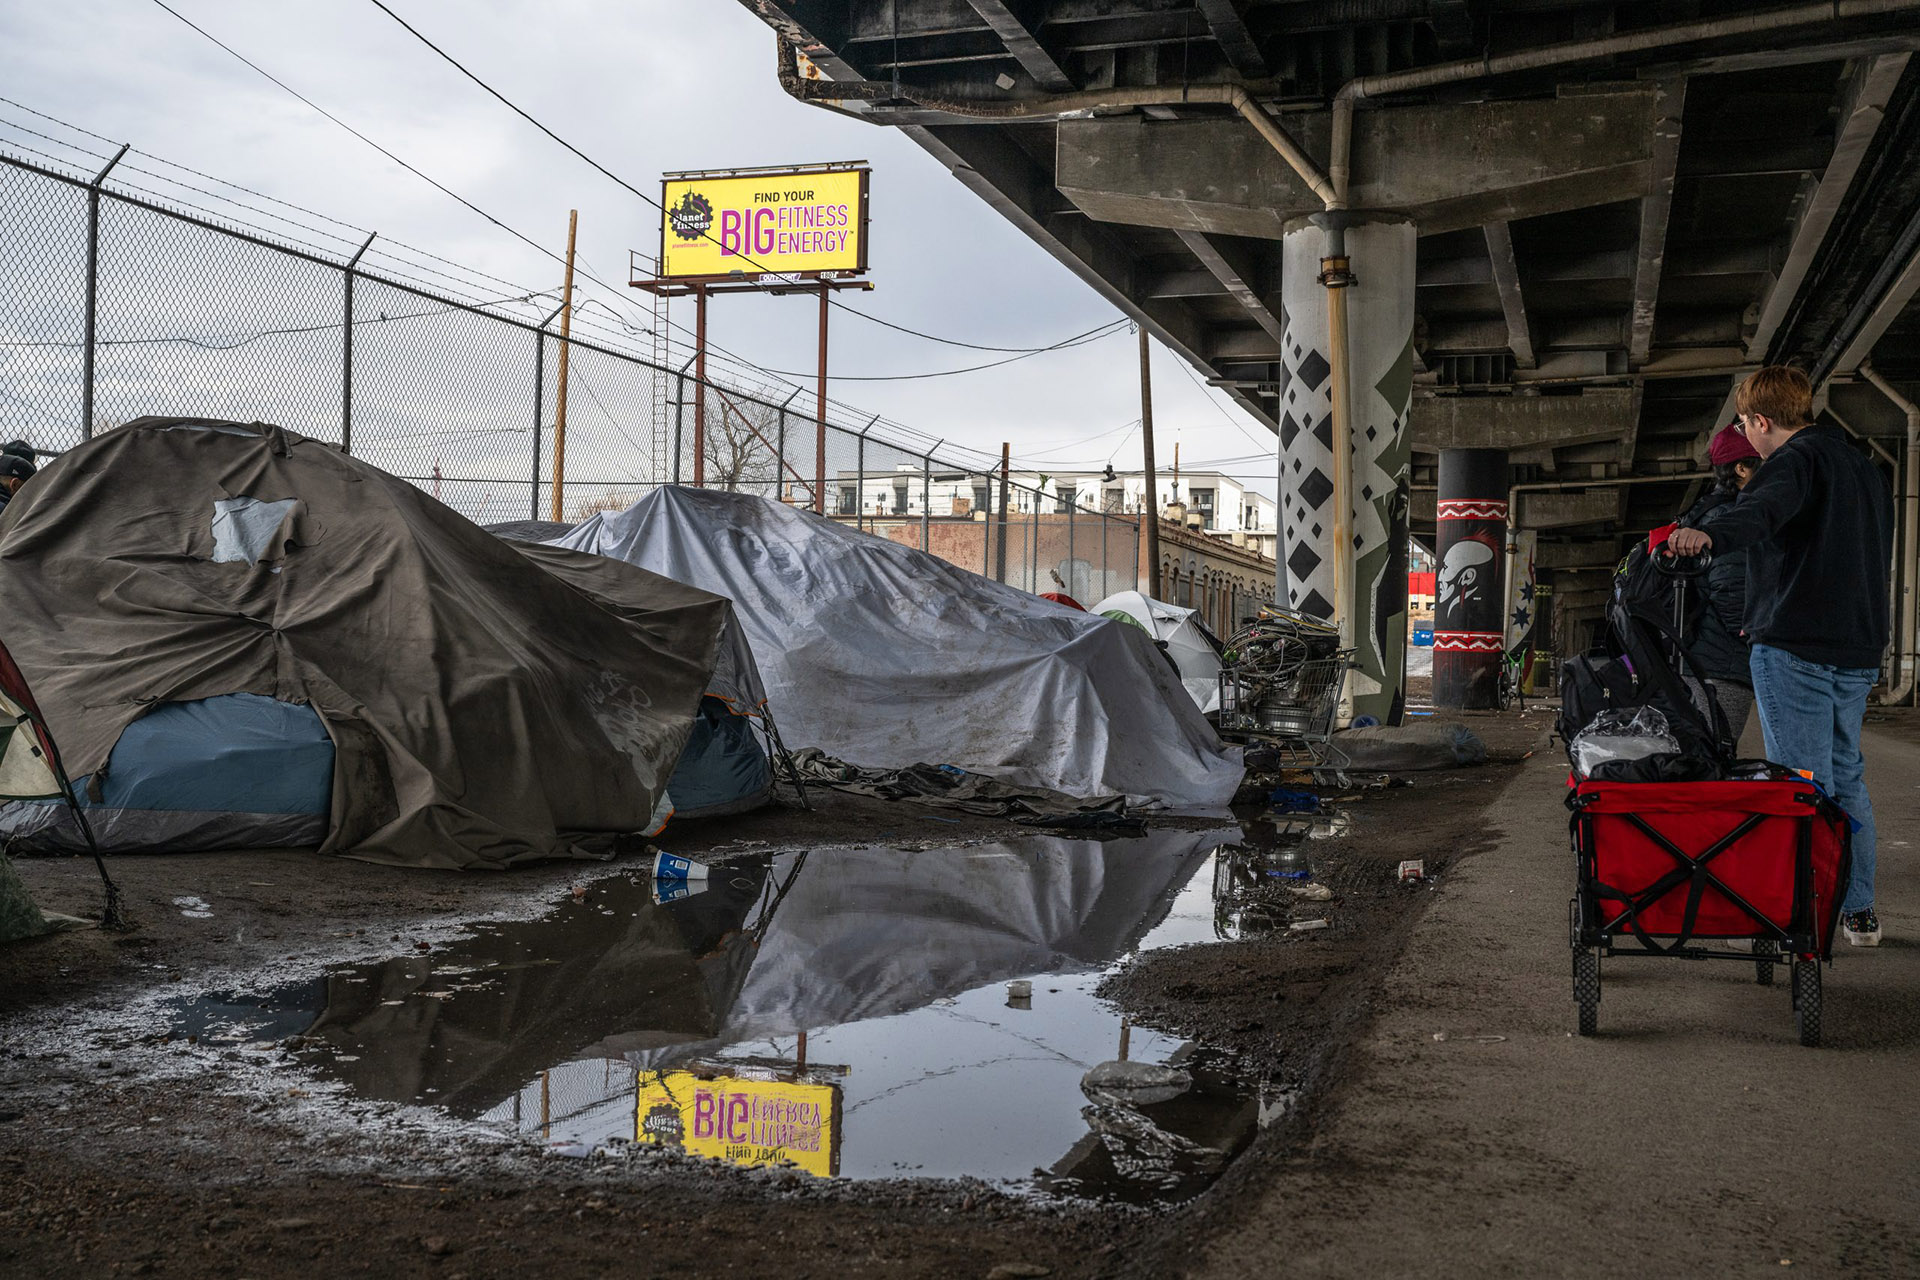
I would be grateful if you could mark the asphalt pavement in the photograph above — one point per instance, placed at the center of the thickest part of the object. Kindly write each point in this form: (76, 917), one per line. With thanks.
(1694, 1136)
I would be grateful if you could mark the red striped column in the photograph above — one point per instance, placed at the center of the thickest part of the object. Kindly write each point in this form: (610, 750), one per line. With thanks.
(1468, 608)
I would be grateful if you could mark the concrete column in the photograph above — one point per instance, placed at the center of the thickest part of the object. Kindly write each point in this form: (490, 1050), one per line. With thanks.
(1380, 336)
(1468, 627)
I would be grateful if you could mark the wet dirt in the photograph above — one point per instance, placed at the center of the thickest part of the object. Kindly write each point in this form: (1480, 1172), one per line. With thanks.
(125, 1156)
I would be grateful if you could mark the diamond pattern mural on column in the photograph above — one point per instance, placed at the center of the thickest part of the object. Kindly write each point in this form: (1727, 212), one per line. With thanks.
(1380, 329)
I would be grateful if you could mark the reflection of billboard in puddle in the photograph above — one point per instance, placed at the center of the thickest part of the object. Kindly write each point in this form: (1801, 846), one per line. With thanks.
(743, 1122)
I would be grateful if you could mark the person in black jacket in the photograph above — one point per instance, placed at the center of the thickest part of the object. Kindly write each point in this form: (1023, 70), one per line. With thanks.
(14, 472)
(1719, 645)
(1817, 523)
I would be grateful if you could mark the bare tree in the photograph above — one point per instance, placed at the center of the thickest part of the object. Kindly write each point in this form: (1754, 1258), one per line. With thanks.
(740, 444)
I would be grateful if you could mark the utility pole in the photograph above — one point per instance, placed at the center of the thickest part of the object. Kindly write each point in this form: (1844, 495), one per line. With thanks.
(560, 393)
(1150, 509)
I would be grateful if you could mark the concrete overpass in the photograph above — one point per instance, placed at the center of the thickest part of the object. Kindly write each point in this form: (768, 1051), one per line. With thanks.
(1571, 227)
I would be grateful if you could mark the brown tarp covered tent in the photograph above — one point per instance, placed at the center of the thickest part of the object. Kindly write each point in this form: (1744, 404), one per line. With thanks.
(483, 710)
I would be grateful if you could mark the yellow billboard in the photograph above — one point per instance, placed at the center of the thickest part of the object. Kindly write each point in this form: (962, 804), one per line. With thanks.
(745, 1122)
(763, 223)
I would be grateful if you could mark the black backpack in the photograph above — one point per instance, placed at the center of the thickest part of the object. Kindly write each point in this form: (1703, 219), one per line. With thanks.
(1642, 672)
(1649, 592)
(1591, 683)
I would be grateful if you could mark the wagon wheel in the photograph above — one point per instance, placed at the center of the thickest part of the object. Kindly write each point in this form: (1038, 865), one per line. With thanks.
(1764, 951)
(1806, 1001)
(1586, 989)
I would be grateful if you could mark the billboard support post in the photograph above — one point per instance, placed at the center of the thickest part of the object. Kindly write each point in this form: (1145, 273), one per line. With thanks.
(820, 412)
(799, 229)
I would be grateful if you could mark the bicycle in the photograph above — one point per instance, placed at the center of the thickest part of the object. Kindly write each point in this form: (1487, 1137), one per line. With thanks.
(1510, 692)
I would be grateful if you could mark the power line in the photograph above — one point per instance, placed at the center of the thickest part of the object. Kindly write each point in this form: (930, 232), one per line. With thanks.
(443, 189)
(1092, 335)
(650, 200)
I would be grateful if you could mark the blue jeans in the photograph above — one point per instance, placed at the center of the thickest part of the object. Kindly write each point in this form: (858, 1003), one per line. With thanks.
(1811, 715)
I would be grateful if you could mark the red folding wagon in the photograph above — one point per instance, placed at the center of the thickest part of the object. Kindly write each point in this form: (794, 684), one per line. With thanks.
(1674, 868)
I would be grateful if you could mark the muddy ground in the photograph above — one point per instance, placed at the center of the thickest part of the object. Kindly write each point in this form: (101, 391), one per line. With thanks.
(110, 1165)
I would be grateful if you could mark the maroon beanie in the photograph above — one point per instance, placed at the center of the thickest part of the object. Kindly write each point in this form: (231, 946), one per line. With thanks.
(1730, 445)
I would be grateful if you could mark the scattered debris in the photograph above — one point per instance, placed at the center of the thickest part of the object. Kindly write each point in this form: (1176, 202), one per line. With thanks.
(1308, 926)
(1412, 870)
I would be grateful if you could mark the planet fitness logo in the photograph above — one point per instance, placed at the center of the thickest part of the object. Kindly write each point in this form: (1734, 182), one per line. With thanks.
(692, 218)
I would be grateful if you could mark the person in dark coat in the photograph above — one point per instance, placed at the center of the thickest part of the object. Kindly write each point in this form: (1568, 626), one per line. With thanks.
(1719, 644)
(1817, 522)
(14, 472)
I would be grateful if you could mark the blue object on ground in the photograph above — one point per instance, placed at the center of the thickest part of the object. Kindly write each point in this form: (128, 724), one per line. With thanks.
(1291, 875)
(1286, 801)
(1365, 722)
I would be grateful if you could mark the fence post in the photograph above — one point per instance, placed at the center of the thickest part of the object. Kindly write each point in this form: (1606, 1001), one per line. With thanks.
(860, 476)
(1000, 553)
(780, 446)
(346, 351)
(539, 413)
(926, 497)
(540, 401)
(1073, 510)
(1033, 546)
(680, 416)
(93, 292)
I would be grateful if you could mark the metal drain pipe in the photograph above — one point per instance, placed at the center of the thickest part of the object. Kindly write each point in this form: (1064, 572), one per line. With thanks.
(1908, 620)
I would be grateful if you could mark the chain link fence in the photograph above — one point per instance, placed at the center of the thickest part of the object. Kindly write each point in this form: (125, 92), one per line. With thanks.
(121, 304)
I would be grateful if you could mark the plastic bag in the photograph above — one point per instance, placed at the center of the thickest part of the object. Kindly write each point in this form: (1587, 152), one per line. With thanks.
(1621, 735)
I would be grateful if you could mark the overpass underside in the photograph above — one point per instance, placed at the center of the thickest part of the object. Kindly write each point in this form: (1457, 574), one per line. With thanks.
(1611, 213)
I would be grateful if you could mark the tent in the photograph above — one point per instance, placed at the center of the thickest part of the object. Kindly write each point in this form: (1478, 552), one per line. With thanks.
(278, 642)
(31, 770)
(885, 657)
(1195, 652)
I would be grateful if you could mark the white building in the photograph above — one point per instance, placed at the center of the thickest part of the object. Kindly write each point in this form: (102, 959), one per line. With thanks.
(1217, 504)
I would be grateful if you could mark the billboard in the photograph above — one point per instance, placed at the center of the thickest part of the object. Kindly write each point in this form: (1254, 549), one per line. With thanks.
(744, 1122)
(778, 223)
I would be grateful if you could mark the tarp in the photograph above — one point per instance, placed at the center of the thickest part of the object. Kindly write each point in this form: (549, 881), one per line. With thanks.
(1187, 639)
(482, 710)
(885, 657)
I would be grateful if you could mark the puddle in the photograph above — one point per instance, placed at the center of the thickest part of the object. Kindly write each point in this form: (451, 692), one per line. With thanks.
(852, 1013)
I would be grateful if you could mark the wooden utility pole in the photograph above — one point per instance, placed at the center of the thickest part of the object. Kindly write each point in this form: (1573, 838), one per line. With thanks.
(560, 396)
(1150, 509)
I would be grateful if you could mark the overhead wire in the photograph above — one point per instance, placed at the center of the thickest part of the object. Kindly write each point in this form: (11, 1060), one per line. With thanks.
(757, 372)
(655, 203)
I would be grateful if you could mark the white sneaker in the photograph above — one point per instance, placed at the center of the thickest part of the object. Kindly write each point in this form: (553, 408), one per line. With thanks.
(1861, 928)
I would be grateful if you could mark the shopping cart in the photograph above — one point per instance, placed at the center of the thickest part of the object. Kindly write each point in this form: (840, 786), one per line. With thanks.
(1290, 707)
(1671, 868)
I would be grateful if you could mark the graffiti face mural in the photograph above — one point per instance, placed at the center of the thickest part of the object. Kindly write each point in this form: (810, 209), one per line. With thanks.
(1465, 577)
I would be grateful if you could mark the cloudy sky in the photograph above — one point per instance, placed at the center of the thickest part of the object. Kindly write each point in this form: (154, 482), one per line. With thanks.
(643, 87)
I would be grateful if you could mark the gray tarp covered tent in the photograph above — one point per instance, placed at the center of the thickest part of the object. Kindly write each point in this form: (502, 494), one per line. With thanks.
(884, 656)
(483, 709)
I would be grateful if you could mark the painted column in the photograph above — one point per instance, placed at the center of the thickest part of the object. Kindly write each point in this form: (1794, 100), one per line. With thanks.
(1380, 338)
(1469, 626)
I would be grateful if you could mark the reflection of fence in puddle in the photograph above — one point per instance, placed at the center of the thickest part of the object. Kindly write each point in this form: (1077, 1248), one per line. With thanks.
(576, 1103)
